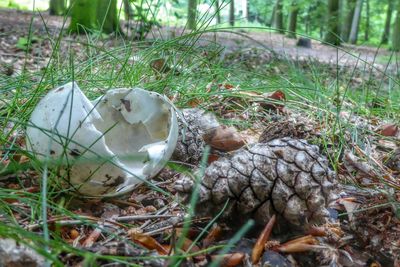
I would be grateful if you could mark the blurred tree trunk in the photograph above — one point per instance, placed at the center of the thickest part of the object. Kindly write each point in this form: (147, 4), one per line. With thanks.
(396, 31)
(107, 16)
(366, 33)
(245, 8)
(192, 14)
(128, 10)
(272, 20)
(356, 22)
(83, 15)
(278, 16)
(386, 31)
(332, 35)
(57, 7)
(217, 12)
(308, 20)
(232, 13)
(294, 11)
(350, 7)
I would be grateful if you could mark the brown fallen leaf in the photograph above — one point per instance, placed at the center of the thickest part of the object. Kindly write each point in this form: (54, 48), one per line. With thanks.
(325, 230)
(212, 236)
(262, 239)
(191, 233)
(226, 86)
(224, 138)
(212, 158)
(189, 247)
(147, 241)
(350, 205)
(389, 130)
(92, 238)
(229, 260)
(302, 244)
(160, 65)
(73, 233)
(277, 96)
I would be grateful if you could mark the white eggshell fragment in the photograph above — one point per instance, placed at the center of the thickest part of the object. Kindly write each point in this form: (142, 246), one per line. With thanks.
(107, 146)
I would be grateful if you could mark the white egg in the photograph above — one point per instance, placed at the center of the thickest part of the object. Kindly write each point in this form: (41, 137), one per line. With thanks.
(107, 146)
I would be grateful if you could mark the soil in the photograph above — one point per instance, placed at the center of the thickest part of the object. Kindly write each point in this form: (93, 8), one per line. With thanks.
(370, 235)
(15, 24)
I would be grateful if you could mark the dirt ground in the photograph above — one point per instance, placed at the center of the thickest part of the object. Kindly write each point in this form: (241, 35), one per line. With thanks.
(376, 230)
(15, 24)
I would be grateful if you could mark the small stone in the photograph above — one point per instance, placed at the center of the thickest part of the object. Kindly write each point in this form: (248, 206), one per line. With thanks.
(13, 254)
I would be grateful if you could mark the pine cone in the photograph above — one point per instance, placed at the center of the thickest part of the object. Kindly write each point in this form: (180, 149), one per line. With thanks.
(287, 177)
(394, 161)
(286, 128)
(190, 146)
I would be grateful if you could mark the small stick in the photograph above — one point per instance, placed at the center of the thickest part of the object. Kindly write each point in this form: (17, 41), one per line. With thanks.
(63, 221)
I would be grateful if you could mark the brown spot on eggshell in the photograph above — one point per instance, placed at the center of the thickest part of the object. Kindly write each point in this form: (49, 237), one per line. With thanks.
(127, 104)
(116, 182)
(75, 152)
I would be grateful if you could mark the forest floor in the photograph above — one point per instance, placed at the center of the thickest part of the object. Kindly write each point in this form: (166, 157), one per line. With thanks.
(344, 100)
(15, 25)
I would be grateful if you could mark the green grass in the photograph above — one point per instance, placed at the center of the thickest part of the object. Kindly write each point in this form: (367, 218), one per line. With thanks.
(318, 91)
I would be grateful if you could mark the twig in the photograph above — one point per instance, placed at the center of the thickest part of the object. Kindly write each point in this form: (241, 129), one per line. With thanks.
(162, 210)
(127, 203)
(63, 221)
(388, 178)
(160, 230)
(142, 217)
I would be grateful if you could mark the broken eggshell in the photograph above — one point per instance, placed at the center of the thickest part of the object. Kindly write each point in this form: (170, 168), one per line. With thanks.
(106, 146)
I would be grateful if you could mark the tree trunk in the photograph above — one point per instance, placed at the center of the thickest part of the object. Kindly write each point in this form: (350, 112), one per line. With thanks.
(57, 7)
(217, 11)
(232, 13)
(272, 20)
(333, 36)
(386, 31)
(245, 9)
(356, 22)
(366, 33)
(278, 16)
(350, 7)
(192, 14)
(128, 10)
(107, 16)
(396, 31)
(294, 11)
(308, 20)
(83, 15)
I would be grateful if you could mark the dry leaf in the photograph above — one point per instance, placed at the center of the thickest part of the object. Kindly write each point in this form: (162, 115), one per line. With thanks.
(92, 238)
(229, 260)
(147, 241)
(187, 243)
(212, 158)
(195, 102)
(389, 130)
(212, 236)
(223, 138)
(262, 239)
(350, 206)
(251, 95)
(73, 233)
(302, 244)
(325, 230)
(226, 86)
(160, 65)
(275, 96)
